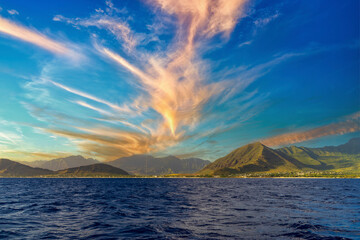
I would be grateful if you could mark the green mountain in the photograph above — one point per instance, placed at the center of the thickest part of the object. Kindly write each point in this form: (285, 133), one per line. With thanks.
(62, 163)
(149, 165)
(254, 157)
(98, 169)
(257, 157)
(10, 168)
(342, 158)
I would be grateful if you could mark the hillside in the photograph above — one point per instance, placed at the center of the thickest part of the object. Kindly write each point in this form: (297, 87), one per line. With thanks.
(62, 163)
(257, 157)
(10, 168)
(98, 169)
(343, 158)
(149, 165)
(254, 157)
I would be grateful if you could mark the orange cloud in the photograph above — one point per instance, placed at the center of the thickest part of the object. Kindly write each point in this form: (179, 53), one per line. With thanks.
(31, 36)
(112, 143)
(352, 124)
(31, 156)
(173, 85)
(176, 86)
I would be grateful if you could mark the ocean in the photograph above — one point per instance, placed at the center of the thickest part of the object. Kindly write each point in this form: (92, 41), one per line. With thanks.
(175, 208)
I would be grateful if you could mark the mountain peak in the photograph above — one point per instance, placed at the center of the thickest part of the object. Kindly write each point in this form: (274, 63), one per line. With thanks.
(351, 147)
(354, 141)
(149, 165)
(63, 163)
(249, 158)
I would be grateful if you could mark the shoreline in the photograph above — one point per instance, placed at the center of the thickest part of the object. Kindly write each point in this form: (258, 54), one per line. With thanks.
(140, 177)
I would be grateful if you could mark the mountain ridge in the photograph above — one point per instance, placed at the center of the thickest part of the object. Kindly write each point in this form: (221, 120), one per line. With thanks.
(256, 157)
(149, 165)
(9, 168)
(62, 163)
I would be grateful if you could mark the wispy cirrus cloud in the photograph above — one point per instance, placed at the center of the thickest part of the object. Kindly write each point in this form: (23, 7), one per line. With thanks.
(174, 83)
(25, 34)
(349, 125)
(13, 12)
(261, 22)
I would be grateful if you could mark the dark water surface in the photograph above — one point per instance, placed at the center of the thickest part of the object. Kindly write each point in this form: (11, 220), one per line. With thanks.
(179, 208)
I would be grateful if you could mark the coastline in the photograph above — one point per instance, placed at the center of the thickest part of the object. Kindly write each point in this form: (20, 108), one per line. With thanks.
(163, 177)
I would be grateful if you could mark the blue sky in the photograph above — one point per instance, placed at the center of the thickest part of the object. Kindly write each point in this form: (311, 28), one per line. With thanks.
(188, 78)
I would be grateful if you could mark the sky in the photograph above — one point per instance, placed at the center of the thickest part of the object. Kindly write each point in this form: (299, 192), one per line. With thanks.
(108, 79)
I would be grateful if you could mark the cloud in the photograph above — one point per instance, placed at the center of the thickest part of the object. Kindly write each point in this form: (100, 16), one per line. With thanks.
(176, 84)
(13, 12)
(177, 92)
(105, 20)
(31, 155)
(110, 143)
(89, 96)
(9, 138)
(244, 43)
(204, 17)
(261, 22)
(32, 36)
(351, 124)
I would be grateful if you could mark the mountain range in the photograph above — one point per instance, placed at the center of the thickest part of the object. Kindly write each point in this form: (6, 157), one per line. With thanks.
(10, 168)
(149, 165)
(251, 158)
(256, 157)
(62, 163)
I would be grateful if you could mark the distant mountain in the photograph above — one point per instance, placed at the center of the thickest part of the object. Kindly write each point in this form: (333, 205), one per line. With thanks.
(10, 168)
(62, 163)
(351, 147)
(149, 165)
(345, 157)
(98, 169)
(257, 157)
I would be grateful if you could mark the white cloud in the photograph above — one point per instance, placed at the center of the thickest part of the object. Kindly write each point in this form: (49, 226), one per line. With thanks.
(13, 12)
(261, 22)
(244, 43)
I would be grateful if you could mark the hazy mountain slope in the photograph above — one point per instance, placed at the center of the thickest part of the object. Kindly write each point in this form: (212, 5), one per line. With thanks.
(63, 163)
(351, 147)
(254, 157)
(98, 169)
(148, 165)
(345, 157)
(14, 169)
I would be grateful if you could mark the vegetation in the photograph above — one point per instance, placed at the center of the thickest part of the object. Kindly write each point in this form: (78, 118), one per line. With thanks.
(252, 160)
(255, 160)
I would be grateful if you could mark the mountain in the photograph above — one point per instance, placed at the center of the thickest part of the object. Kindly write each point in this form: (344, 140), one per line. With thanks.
(344, 158)
(98, 169)
(10, 168)
(257, 157)
(62, 163)
(254, 157)
(149, 165)
(351, 147)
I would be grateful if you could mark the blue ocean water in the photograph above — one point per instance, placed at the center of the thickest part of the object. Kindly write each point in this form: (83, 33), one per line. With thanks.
(136, 208)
